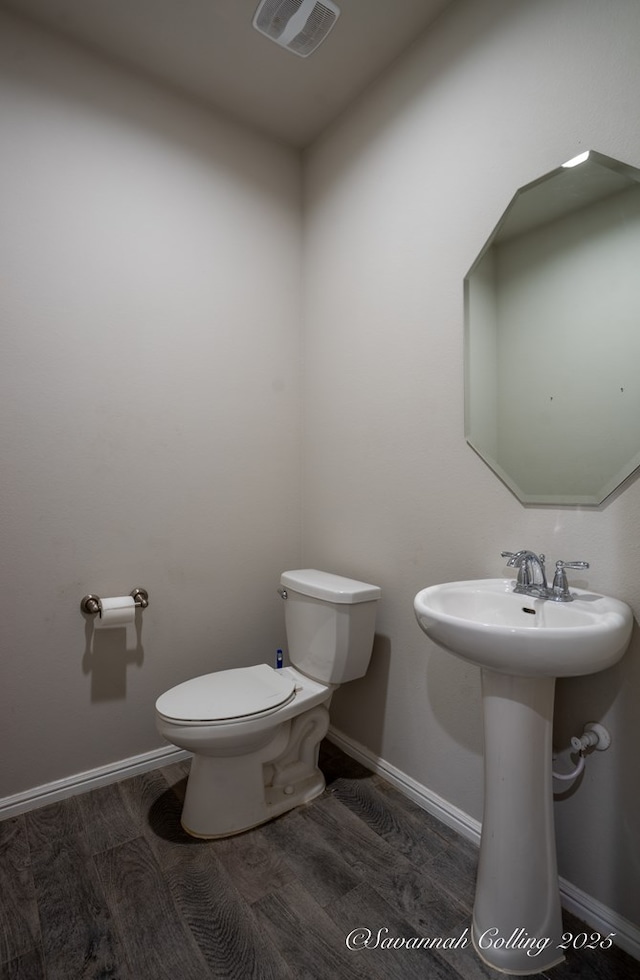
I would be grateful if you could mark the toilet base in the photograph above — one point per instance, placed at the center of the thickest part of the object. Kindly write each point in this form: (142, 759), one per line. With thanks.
(229, 795)
(277, 803)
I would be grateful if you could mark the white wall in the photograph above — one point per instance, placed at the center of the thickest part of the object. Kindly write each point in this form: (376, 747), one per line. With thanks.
(149, 380)
(401, 195)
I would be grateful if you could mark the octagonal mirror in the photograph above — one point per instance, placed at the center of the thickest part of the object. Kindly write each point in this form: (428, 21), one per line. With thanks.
(552, 336)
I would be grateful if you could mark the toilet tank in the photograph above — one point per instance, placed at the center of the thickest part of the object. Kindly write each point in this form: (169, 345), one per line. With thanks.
(330, 623)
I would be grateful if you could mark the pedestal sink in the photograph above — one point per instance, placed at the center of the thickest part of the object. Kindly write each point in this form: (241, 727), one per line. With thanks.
(521, 645)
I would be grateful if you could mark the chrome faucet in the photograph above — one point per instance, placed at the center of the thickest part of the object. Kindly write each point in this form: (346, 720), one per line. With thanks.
(532, 577)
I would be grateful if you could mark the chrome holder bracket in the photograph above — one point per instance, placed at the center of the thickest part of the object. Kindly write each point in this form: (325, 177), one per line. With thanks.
(92, 604)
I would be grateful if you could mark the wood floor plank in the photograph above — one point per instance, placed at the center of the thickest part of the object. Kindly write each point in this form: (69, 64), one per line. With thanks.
(310, 942)
(30, 966)
(19, 923)
(255, 865)
(231, 939)
(456, 869)
(365, 914)
(360, 846)
(315, 861)
(55, 823)
(413, 834)
(152, 933)
(105, 818)
(154, 807)
(406, 808)
(78, 935)
(416, 894)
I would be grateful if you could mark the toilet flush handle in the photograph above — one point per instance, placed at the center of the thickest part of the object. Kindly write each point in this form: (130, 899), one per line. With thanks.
(282, 592)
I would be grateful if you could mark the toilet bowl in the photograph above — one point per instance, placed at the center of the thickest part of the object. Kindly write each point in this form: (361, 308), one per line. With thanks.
(255, 731)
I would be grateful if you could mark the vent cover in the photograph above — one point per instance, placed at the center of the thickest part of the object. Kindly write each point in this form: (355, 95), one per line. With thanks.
(298, 25)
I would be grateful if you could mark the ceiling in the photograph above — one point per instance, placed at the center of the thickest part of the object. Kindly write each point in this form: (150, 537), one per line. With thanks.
(209, 50)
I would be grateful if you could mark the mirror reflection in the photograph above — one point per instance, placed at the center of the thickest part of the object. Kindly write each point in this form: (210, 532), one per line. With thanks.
(552, 336)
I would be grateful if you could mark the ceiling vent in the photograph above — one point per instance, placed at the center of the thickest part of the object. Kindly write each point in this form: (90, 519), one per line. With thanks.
(298, 25)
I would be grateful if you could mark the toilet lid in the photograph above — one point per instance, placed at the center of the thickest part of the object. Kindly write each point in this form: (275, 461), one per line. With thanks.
(227, 694)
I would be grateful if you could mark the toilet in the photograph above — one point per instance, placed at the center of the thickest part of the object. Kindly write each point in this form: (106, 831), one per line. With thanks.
(254, 732)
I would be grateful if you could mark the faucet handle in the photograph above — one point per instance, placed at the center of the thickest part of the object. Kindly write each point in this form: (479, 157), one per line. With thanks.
(516, 557)
(560, 583)
(515, 561)
(523, 553)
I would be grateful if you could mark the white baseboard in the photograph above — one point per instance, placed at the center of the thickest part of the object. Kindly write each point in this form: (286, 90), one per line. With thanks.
(600, 917)
(82, 782)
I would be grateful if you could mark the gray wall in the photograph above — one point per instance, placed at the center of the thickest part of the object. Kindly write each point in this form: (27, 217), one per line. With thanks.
(401, 195)
(150, 389)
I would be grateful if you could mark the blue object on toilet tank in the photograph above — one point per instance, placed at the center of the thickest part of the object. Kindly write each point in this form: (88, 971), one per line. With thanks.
(278, 659)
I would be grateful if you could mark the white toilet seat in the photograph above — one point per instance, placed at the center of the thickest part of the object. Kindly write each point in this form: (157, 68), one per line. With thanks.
(227, 695)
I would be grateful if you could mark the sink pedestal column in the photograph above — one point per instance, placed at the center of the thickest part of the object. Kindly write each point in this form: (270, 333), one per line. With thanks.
(517, 922)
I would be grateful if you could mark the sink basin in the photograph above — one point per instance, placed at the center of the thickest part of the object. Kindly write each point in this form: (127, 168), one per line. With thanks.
(486, 622)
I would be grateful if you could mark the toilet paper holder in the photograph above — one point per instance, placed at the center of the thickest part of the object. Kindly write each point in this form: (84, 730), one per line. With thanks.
(92, 604)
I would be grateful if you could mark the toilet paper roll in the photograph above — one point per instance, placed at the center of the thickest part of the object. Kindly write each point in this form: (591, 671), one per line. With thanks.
(119, 610)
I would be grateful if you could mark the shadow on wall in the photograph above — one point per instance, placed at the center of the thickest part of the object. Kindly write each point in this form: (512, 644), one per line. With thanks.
(604, 801)
(107, 655)
(625, 776)
(358, 708)
(579, 700)
(454, 694)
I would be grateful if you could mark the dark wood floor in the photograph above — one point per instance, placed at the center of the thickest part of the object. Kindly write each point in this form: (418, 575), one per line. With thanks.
(107, 885)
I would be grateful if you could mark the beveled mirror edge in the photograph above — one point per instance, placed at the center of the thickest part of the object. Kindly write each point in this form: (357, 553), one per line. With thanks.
(550, 500)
